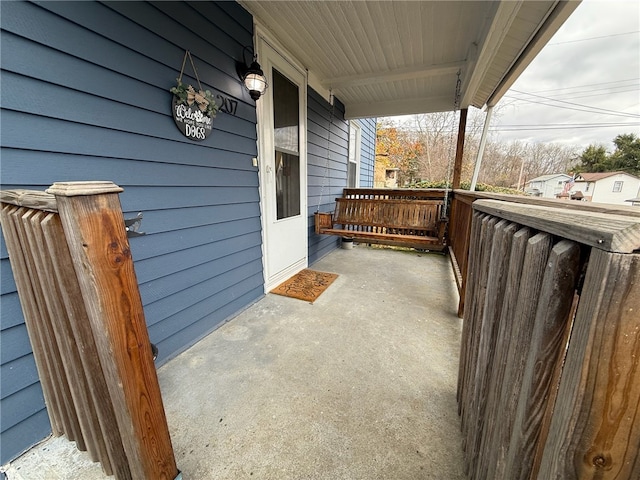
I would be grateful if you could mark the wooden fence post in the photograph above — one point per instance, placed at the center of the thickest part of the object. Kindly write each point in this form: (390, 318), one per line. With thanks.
(94, 226)
(595, 428)
(548, 341)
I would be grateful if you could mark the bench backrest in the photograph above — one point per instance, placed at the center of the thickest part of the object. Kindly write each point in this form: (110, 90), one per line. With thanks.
(75, 278)
(415, 216)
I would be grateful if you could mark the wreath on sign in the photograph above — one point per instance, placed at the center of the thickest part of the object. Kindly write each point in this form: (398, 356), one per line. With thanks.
(193, 110)
(187, 95)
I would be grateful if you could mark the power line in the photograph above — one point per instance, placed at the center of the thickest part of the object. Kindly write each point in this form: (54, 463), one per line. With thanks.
(574, 95)
(595, 38)
(533, 127)
(576, 109)
(609, 88)
(595, 124)
(570, 127)
(635, 89)
(591, 109)
(587, 85)
(578, 105)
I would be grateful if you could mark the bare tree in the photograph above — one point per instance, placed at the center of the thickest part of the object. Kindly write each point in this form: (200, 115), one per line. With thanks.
(505, 164)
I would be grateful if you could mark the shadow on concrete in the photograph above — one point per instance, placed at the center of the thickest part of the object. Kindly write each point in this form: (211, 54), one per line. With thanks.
(359, 385)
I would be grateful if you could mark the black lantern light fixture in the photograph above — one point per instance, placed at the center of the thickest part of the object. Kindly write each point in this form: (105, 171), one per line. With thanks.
(252, 76)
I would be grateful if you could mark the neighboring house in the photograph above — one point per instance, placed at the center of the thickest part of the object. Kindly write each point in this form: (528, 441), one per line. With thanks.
(85, 96)
(391, 177)
(547, 186)
(385, 177)
(606, 187)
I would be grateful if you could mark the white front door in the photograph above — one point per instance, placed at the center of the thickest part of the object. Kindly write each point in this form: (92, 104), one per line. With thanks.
(283, 166)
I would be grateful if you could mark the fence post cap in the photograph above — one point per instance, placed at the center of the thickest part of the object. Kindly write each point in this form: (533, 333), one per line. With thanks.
(73, 189)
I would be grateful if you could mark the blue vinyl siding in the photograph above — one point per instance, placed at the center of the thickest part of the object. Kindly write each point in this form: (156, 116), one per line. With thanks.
(327, 178)
(367, 152)
(29, 431)
(85, 97)
(327, 165)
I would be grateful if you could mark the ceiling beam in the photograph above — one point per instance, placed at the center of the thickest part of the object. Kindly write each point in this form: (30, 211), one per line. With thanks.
(387, 76)
(398, 107)
(506, 13)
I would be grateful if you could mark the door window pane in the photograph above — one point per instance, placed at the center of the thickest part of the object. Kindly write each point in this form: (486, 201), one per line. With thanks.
(287, 185)
(287, 147)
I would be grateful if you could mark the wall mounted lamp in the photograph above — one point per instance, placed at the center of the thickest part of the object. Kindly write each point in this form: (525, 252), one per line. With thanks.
(252, 76)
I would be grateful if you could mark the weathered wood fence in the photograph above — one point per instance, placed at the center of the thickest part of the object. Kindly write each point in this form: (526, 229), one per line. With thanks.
(459, 228)
(459, 237)
(75, 277)
(549, 380)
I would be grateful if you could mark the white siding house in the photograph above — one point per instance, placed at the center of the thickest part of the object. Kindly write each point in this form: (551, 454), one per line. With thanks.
(607, 187)
(547, 186)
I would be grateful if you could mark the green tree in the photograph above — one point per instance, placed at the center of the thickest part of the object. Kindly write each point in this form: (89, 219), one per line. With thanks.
(625, 158)
(593, 159)
(627, 154)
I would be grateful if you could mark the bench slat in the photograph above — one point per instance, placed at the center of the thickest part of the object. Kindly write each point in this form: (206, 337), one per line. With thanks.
(408, 217)
(413, 241)
(403, 222)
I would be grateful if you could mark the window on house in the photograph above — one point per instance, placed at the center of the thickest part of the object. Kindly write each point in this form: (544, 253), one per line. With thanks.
(586, 189)
(617, 186)
(353, 170)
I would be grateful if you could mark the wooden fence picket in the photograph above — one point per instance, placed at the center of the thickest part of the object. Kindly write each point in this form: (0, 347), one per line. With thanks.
(549, 375)
(77, 286)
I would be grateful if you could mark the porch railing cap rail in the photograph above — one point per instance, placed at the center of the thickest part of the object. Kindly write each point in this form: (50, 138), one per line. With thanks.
(551, 202)
(30, 199)
(605, 231)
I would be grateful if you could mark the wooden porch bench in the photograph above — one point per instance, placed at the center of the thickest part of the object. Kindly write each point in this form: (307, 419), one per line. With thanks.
(398, 222)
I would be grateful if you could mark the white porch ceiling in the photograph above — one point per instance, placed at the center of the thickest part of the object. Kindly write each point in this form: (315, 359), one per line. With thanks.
(401, 57)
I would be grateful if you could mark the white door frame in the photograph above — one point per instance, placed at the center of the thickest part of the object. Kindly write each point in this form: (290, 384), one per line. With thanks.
(265, 47)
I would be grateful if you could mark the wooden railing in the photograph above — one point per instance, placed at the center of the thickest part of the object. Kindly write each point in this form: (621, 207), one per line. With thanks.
(458, 239)
(549, 379)
(459, 227)
(75, 278)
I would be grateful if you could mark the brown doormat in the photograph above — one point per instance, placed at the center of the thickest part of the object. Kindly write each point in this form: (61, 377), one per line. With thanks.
(306, 285)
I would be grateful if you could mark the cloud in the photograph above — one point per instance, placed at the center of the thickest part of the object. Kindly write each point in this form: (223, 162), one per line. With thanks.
(592, 61)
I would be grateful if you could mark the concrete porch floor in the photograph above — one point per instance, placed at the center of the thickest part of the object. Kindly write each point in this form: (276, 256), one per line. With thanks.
(359, 385)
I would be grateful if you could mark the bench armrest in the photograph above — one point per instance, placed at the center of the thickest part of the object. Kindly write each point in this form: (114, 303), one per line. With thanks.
(323, 221)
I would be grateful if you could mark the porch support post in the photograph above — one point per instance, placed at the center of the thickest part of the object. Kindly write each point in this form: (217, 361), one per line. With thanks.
(483, 143)
(457, 166)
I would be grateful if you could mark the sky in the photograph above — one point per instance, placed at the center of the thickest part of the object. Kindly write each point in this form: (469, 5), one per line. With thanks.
(592, 64)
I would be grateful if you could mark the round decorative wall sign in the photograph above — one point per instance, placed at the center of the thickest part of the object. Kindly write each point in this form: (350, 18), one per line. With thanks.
(193, 111)
(192, 121)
